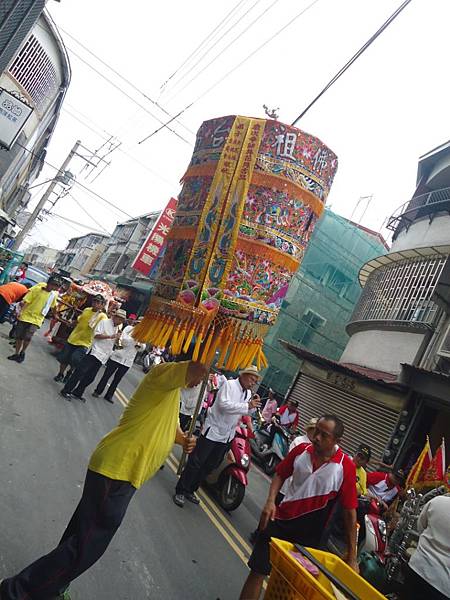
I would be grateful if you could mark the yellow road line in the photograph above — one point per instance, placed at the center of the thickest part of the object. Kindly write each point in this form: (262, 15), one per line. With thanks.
(215, 522)
(204, 496)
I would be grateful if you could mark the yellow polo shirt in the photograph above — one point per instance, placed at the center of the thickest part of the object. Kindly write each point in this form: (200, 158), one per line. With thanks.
(34, 303)
(361, 481)
(140, 444)
(83, 334)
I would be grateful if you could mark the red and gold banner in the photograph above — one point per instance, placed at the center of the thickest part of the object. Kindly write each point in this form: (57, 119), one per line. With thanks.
(251, 196)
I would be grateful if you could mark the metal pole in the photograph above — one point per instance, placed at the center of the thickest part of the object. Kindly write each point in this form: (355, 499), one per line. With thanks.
(18, 241)
(194, 419)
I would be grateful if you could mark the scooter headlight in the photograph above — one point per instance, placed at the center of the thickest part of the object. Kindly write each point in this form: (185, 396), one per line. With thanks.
(245, 460)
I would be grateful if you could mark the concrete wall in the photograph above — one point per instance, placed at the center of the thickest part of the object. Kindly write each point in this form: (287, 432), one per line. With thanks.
(423, 233)
(382, 350)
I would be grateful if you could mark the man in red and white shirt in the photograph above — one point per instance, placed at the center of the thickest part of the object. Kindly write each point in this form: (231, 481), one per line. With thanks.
(320, 473)
(384, 487)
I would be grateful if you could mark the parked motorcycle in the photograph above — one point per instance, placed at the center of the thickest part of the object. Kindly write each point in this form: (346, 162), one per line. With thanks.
(230, 479)
(270, 454)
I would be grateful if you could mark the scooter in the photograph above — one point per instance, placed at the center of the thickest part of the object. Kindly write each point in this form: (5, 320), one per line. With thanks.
(372, 535)
(229, 479)
(269, 455)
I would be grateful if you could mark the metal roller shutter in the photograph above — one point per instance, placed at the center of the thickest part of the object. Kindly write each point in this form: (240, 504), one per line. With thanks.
(365, 420)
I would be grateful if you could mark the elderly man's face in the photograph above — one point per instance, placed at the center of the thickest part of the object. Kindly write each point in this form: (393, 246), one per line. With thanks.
(324, 438)
(248, 380)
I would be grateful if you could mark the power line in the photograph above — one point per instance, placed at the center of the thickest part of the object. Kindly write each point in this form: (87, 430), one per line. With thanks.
(97, 130)
(226, 48)
(74, 222)
(122, 91)
(353, 59)
(209, 50)
(248, 57)
(76, 182)
(99, 225)
(127, 81)
(203, 42)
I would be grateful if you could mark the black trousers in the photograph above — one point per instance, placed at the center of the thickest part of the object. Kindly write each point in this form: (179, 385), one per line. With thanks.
(83, 375)
(206, 456)
(4, 307)
(416, 588)
(95, 521)
(112, 368)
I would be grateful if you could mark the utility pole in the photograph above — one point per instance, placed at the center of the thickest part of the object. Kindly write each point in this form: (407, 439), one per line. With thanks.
(40, 205)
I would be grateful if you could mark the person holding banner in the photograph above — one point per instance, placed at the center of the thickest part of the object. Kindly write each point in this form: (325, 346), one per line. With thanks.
(123, 461)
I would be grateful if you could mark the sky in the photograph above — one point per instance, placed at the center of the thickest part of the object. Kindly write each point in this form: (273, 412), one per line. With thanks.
(388, 109)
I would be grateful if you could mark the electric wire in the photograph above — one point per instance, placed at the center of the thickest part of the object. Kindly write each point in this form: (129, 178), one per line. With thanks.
(122, 91)
(224, 50)
(209, 50)
(118, 74)
(78, 183)
(248, 57)
(202, 43)
(53, 214)
(119, 149)
(353, 59)
(99, 225)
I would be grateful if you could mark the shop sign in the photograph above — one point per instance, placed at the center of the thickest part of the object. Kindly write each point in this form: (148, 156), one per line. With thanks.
(13, 115)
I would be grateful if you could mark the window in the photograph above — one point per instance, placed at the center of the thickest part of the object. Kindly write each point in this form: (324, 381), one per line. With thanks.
(34, 70)
(309, 323)
(444, 348)
(335, 280)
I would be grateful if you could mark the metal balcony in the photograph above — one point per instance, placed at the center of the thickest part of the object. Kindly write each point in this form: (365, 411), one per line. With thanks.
(420, 206)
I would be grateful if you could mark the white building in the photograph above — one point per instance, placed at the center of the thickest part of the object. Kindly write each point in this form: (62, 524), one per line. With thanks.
(391, 386)
(81, 254)
(41, 256)
(39, 73)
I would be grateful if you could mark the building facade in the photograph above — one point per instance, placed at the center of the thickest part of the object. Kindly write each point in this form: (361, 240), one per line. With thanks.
(38, 72)
(41, 256)
(321, 296)
(392, 384)
(81, 254)
(123, 246)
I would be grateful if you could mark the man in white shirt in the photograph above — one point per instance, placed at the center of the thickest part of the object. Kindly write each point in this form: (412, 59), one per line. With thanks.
(234, 400)
(118, 363)
(106, 333)
(189, 397)
(428, 571)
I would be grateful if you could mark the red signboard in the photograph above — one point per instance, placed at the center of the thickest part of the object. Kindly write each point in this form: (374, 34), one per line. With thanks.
(153, 245)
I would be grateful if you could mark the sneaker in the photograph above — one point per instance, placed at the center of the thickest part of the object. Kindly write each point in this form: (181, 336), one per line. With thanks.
(95, 395)
(80, 398)
(179, 500)
(21, 357)
(192, 498)
(110, 400)
(13, 357)
(66, 395)
(59, 378)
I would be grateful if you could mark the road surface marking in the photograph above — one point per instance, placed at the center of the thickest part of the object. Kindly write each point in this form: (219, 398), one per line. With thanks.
(213, 506)
(215, 522)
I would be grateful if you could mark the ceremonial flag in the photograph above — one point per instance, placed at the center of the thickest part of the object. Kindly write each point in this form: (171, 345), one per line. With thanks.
(421, 465)
(435, 474)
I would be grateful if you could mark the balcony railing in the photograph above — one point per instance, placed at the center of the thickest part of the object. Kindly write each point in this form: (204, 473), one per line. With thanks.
(417, 207)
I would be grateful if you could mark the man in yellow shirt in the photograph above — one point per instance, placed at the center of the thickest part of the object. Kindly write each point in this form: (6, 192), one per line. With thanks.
(80, 340)
(361, 459)
(124, 459)
(39, 300)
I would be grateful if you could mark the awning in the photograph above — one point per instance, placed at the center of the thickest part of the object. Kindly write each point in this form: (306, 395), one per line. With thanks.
(431, 384)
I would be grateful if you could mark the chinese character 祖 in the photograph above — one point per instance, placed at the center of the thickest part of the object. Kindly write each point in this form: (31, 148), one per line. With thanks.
(285, 144)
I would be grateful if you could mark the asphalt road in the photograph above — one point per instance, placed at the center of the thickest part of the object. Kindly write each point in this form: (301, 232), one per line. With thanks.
(160, 551)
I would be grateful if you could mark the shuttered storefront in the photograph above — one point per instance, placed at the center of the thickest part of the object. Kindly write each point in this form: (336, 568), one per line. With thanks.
(366, 421)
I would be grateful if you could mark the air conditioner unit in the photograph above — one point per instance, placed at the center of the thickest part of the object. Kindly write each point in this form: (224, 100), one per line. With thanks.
(444, 348)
